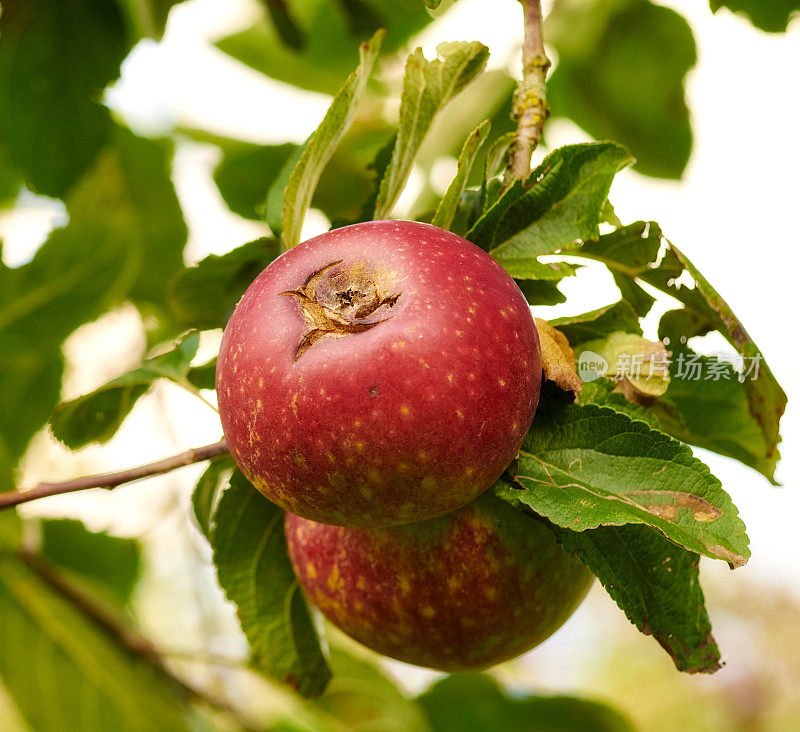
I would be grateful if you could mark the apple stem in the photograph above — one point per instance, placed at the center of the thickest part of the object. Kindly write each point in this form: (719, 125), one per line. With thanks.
(530, 106)
(112, 480)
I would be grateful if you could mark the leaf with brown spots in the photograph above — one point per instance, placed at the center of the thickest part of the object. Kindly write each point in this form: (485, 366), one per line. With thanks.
(639, 254)
(584, 466)
(558, 360)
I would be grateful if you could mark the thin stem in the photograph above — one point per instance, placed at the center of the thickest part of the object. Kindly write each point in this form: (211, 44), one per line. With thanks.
(112, 480)
(530, 105)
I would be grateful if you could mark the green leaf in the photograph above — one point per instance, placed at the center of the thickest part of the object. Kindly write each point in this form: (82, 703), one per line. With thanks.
(321, 145)
(584, 466)
(496, 154)
(377, 167)
(656, 584)
(427, 87)
(31, 379)
(487, 96)
(680, 325)
(602, 392)
(541, 292)
(96, 417)
(109, 564)
(66, 672)
(477, 703)
(147, 18)
(766, 398)
(449, 203)
(331, 50)
(634, 254)
(276, 193)
(620, 74)
(204, 296)
(290, 33)
(248, 172)
(255, 572)
(533, 269)
(706, 405)
(10, 528)
(561, 202)
(628, 252)
(55, 60)
(598, 323)
(10, 182)
(130, 190)
(203, 376)
(75, 275)
(772, 16)
(362, 19)
(360, 696)
(207, 491)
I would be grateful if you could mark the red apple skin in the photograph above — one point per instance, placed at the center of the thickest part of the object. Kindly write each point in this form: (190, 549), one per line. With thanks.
(460, 592)
(409, 420)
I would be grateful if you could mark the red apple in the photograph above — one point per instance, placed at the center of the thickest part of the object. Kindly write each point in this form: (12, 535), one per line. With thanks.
(460, 592)
(379, 374)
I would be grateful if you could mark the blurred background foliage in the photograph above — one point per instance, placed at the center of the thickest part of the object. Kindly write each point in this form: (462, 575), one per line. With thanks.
(115, 245)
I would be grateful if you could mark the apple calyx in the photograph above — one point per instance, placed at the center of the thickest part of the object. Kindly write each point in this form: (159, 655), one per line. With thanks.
(337, 304)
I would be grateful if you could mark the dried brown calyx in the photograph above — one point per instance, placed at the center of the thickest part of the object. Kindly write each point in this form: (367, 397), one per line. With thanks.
(338, 302)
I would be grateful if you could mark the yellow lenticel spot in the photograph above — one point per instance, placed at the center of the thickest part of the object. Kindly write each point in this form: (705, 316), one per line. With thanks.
(404, 410)
(311, 571)
(334, 580)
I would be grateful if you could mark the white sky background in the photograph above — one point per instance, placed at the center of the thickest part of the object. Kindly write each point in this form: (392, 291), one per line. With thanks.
(734, 214)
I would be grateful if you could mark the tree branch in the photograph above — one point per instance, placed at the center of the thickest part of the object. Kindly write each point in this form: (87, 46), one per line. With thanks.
(112, 480)
(530, 105)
